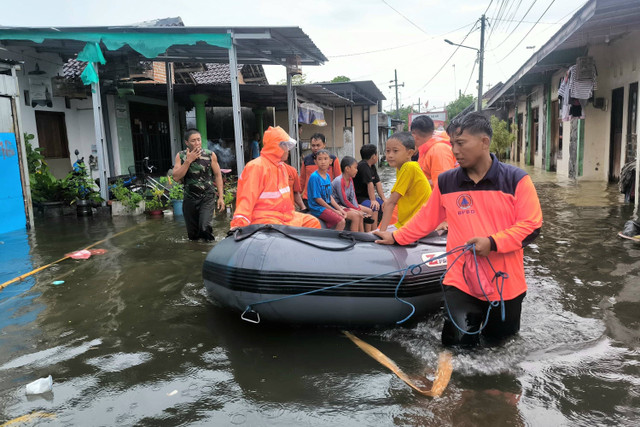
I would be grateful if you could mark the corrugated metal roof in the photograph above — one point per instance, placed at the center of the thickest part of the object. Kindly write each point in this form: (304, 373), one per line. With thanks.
(250, 95)
(361, 92)
(254, 45)
(597, 22)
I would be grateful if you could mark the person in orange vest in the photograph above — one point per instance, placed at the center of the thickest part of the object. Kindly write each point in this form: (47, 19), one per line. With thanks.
(433, 149)
(263, 187)
(318, 142)
(494, 206)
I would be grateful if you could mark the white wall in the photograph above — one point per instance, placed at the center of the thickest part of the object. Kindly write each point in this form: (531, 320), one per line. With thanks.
(618, 65)
(78, 118)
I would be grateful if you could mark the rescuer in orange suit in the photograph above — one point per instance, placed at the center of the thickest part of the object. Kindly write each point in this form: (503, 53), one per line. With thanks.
(263, 195)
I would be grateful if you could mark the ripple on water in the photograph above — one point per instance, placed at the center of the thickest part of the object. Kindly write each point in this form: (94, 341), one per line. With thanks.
(118, 362)
(51, 356)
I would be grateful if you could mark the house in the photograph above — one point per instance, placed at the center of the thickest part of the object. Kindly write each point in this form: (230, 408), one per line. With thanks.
(110, 123)
(596, 136)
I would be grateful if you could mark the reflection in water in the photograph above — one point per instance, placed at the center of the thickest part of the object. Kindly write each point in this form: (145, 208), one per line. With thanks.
(130, 337)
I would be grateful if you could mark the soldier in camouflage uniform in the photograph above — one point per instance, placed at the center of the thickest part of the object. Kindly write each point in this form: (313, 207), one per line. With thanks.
(196, 168)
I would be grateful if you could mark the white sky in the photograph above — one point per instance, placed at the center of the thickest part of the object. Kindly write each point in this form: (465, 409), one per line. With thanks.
(344, 28)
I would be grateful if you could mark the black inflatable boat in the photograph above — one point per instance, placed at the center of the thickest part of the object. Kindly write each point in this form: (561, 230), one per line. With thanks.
(261, 270)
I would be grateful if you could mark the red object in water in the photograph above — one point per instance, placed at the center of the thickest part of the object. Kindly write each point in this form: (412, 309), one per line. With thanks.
(98, 251)
(83, 254)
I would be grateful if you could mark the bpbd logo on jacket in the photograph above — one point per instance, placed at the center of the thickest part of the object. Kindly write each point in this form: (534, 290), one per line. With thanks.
(465, 204)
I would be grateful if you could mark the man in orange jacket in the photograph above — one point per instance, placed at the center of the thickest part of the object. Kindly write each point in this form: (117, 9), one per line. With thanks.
(494, 206)
(434, 148)
(263, 195)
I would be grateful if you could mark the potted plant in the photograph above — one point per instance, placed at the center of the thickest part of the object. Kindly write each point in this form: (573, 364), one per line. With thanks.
(83, 188)
(48, 193)
(155, 205)
(230, 189)
(176, 195)
(126, 201)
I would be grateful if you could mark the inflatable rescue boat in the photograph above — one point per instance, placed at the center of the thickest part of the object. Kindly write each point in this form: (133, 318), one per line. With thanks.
(275, 273)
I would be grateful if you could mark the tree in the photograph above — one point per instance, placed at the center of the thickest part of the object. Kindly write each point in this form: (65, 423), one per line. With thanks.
(403, 114)
(297, 80)
(340, 79)
(455, 107)
(502, 137)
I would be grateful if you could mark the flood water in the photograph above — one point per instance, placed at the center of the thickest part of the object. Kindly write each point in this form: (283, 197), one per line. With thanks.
(131, 339)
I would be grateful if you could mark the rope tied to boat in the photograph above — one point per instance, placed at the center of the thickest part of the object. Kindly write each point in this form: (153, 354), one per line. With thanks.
(238, 237)
(414, 269)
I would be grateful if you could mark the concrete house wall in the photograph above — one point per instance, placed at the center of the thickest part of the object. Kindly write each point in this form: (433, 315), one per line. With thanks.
(618, 65)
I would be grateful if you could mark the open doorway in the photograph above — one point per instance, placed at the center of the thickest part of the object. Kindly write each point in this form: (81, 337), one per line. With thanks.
(555, 137)
(533, 144)
(519, 138)
(615, 142)
(150, 133)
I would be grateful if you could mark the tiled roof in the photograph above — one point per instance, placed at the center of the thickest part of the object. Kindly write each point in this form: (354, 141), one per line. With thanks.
(215, 74)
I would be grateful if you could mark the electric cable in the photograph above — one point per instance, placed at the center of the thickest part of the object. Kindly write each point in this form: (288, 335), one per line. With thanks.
(528, 32)
(517, 25)
(445, 63)
(400, 46)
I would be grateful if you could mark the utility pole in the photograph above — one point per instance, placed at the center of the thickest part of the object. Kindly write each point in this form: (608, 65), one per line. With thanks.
(481, 62)
(454, 80)
(396, 86)
(418, 104)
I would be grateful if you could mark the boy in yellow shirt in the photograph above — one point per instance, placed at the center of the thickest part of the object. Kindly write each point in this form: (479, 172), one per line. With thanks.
(411, 190)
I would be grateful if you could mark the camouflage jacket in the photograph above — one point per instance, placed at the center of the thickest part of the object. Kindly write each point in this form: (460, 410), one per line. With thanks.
(198, 181)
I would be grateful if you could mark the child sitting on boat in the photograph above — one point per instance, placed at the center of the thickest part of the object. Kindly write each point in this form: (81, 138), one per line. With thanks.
(322, 205)
(411, 190)
(345, 194)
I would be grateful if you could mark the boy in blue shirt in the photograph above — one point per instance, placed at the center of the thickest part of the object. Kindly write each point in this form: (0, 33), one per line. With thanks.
(322, 205)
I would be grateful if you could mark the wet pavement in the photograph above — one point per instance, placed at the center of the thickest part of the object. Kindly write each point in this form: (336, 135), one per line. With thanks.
(131, 339)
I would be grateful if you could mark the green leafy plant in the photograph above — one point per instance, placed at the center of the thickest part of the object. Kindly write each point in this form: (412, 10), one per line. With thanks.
(47, 188)
(230, 189)
(81, 184)
(502, 137)
(35, 158)
(177, 191)
(229, 197)
(156, 202)
(128, 198)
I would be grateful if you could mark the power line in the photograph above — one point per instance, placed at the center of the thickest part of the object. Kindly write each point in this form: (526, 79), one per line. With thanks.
(528, 32)
(517, 25)
(470, 77)
(496, 21)
(408, 20)
(513, 15)
(400, 46)
(445, 62)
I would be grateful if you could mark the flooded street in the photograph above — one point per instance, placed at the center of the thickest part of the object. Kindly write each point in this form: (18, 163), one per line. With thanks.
(131, 339)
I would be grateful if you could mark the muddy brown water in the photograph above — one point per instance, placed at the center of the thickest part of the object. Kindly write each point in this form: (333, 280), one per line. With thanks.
(131, 339)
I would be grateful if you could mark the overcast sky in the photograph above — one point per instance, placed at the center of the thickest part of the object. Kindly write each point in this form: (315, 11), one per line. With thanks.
(363, 39)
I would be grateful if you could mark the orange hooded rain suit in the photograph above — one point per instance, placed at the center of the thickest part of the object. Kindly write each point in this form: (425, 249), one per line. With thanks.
(263, 195)
(436, 156)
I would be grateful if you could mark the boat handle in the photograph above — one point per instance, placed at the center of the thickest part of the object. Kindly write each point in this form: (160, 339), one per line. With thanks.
(250, 310)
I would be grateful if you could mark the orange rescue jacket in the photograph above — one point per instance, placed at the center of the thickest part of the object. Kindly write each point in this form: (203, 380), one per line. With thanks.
(263, 195)
(436, 156)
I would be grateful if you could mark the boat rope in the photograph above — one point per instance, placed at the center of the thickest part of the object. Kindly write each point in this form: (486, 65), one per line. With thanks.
(268, 227)
(414, 269)
(496, 275)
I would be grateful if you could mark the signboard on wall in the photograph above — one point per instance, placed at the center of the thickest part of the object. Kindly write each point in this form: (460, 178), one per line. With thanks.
(439, 118)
